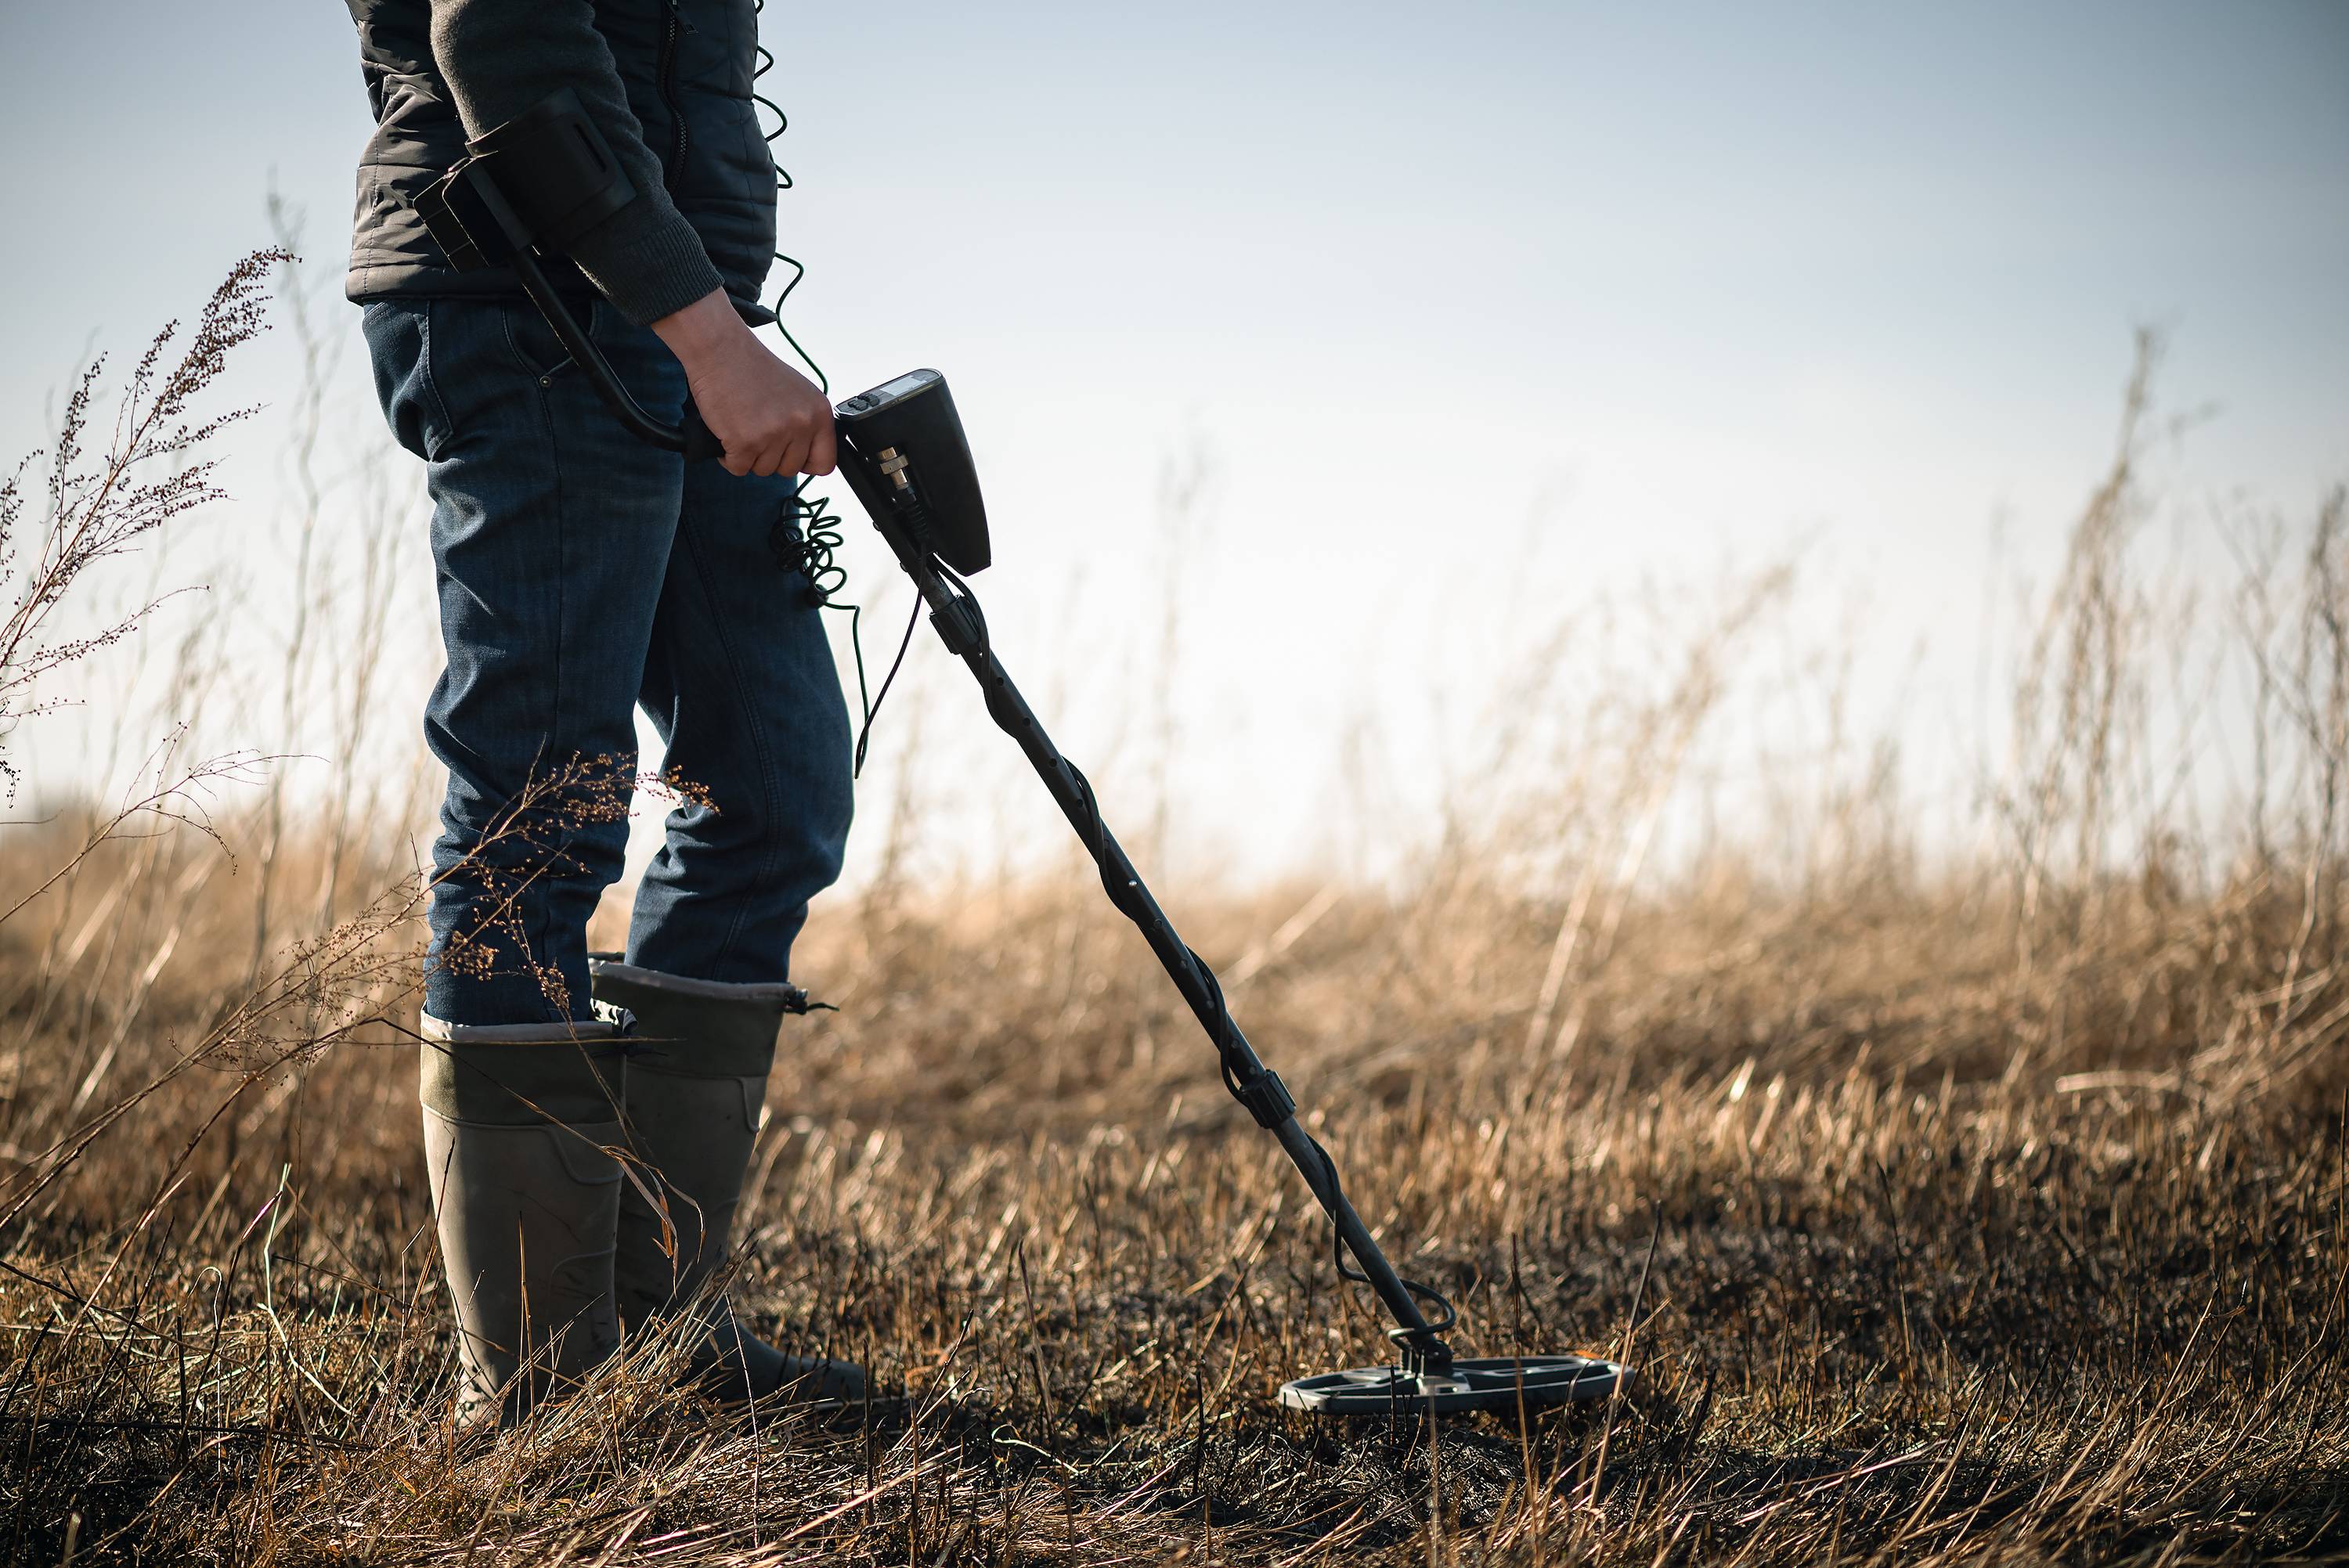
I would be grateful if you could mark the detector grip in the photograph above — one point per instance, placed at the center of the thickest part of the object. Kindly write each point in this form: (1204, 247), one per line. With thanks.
(696, 440)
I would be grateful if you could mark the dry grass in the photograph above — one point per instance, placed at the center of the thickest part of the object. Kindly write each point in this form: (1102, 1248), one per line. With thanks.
(1985, 1207)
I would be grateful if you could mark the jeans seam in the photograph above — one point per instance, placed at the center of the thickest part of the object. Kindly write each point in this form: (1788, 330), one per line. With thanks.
(552, 430)
(431, 383)
(759, 739)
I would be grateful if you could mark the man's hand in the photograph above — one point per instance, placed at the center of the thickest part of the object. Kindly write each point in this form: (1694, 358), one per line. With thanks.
(769, 418)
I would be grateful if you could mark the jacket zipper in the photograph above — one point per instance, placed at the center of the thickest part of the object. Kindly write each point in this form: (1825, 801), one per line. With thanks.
(671, 29)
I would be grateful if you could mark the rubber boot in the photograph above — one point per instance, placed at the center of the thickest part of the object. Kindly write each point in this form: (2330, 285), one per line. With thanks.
(517, 1120)
(697, 1080)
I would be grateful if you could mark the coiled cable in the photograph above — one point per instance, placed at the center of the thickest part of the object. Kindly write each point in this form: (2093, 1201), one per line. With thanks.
(806, 536)
(804, 540)
(782, 182)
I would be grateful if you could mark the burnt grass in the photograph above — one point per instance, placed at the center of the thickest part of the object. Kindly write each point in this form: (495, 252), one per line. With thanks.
(1971, 1278)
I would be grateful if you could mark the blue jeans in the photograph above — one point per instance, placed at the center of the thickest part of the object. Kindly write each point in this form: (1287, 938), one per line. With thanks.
(582, 573)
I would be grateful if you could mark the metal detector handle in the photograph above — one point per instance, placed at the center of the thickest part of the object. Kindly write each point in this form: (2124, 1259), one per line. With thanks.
(689, 436)
(698, 440)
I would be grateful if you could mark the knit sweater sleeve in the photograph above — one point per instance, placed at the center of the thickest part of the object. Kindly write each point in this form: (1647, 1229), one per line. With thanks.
(502, 57)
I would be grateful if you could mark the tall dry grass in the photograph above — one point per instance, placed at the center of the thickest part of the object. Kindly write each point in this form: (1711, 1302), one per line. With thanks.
(1981, 1203)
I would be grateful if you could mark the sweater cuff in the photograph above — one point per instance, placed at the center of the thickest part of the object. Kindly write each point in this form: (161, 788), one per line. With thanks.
(647, 260)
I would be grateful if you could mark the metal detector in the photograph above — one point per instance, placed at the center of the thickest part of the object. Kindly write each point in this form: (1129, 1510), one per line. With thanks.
(548, 174)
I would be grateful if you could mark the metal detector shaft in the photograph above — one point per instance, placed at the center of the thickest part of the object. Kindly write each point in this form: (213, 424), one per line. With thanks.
(950, 613)
(958, 623)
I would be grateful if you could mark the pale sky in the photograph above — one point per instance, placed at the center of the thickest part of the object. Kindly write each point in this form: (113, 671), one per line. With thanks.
(1462, 303)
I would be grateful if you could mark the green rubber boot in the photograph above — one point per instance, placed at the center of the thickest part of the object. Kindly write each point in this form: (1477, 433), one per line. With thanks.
(697, 1080)
(517, 1122)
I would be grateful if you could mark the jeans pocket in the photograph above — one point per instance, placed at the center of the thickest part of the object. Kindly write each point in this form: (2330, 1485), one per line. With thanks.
(399, 339)
(535, 349)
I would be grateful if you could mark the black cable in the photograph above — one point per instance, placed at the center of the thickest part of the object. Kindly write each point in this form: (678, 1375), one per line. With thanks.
(864, 734)
(803, 539)
(782, 182)
(1426, 1292)
(808, 548)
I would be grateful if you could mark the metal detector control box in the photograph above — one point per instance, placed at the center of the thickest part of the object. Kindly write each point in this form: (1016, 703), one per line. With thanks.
(921, 462)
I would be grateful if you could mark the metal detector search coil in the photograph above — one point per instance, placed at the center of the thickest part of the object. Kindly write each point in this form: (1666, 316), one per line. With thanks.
(903, 451)
(1484, 1383)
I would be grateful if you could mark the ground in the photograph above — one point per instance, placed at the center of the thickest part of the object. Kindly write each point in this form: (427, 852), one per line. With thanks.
(1920, 1256)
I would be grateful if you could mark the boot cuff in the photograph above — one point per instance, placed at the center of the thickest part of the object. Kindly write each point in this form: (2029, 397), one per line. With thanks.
(607, 1023)
(569, 1079)
(778, 993)
(699, 1029)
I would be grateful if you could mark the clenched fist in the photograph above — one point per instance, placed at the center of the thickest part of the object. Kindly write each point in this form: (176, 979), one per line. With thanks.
(768, 417)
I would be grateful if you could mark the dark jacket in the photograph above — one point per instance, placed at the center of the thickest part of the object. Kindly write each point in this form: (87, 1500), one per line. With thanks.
(669, 81)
